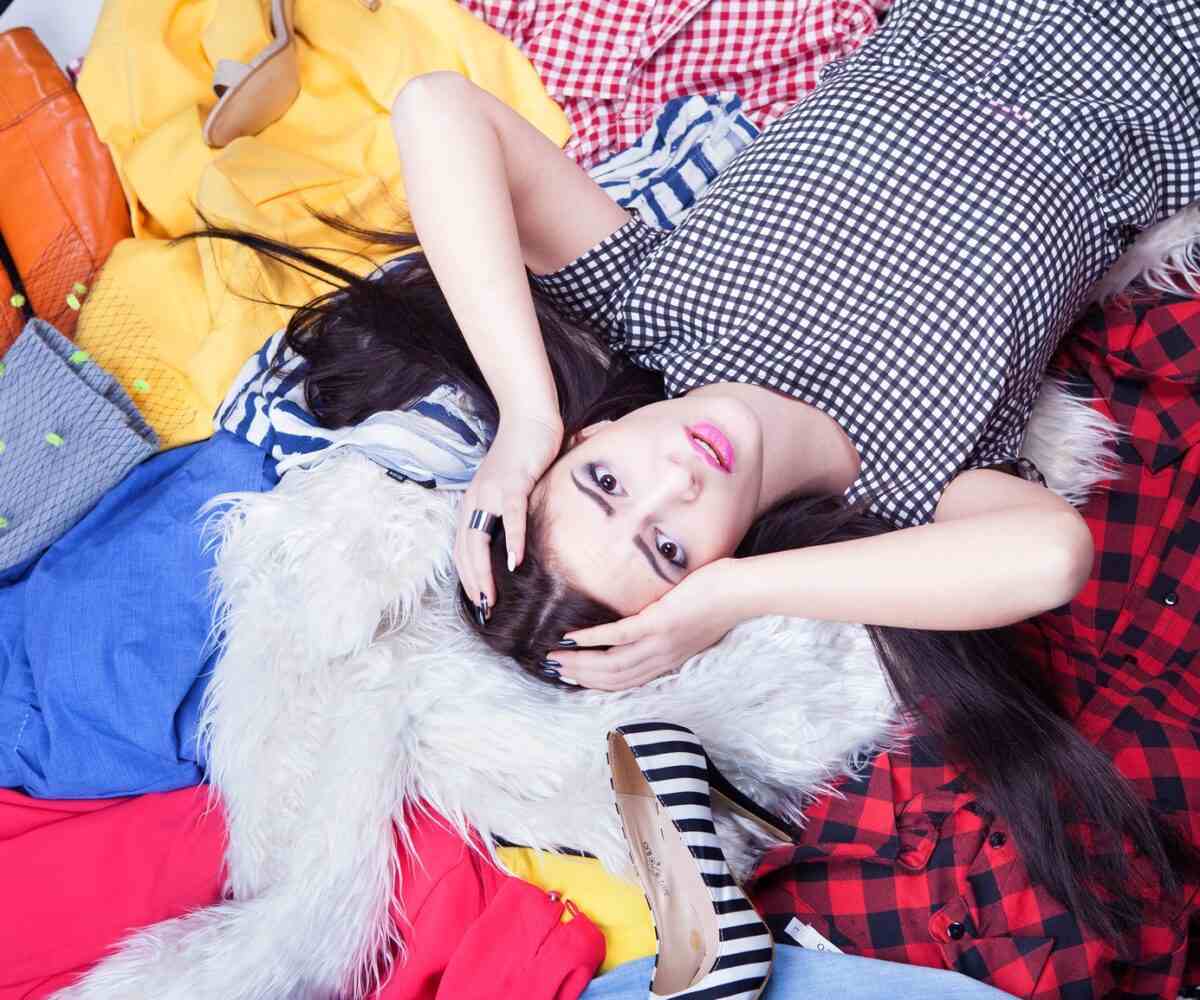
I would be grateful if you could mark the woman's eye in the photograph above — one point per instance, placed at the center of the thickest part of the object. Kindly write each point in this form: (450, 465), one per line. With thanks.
(603, 478)
(671, 551)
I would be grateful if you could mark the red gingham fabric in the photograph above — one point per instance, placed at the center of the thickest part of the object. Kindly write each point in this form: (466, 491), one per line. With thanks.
(612, 65)
(906, 866)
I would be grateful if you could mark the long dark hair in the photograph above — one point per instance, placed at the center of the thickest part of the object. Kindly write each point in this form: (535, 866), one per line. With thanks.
(381, 343)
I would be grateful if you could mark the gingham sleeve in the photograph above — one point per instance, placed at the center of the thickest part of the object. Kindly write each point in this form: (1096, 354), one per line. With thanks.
(591, 289)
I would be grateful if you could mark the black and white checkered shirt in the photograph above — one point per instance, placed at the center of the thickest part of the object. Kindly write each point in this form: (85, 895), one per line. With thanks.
(905, 247)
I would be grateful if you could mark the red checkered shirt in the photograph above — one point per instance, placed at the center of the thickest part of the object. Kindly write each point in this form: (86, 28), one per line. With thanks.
(612, 64)
(907, 867)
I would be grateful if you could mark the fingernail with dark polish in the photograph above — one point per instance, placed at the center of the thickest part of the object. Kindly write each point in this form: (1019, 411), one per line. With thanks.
(483, 604)
(550, 668)
(479, 615)
(567, 643)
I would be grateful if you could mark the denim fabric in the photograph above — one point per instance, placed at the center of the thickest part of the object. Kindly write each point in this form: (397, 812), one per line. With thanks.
(103, 650)
(801, 974)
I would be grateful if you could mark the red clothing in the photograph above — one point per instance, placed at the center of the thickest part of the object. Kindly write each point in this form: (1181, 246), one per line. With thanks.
(612, 66)
(80, 875)
(906, 867)
(474, 932)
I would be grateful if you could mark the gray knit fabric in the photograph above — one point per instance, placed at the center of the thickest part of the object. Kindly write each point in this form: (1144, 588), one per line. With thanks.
(69, 433)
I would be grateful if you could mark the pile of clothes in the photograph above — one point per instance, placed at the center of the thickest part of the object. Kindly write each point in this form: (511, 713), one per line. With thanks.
(137, 391)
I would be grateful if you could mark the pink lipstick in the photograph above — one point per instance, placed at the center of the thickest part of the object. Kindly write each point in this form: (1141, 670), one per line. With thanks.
(707, 439)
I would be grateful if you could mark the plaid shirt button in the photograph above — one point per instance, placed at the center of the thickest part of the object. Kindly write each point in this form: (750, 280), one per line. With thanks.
(1171, 599)
(955, 931)
(997, 840)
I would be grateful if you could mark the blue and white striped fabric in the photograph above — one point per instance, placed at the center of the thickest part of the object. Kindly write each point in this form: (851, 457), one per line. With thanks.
(438, 443)
(664, 172)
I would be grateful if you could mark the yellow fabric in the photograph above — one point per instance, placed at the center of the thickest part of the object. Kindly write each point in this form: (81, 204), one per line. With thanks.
(169, 319)
(618, 908)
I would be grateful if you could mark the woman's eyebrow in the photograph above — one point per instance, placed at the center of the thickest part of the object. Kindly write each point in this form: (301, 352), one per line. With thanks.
(637, 540)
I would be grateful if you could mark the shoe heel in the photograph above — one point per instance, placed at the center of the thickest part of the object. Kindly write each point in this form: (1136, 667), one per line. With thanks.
(737, 802)
(253, 95)
(709, 935)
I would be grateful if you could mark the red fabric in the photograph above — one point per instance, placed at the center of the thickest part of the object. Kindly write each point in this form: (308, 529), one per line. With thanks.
(80, 875)
(892, 867)
(612, 66)
(473, 931)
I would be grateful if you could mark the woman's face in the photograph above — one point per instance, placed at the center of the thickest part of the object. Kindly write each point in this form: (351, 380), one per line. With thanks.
(640, 502)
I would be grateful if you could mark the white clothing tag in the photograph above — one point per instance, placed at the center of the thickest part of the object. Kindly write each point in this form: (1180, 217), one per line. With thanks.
(809, 937)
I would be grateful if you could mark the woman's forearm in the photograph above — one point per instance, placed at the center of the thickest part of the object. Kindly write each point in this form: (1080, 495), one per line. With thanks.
(976, 572)
(461, 207)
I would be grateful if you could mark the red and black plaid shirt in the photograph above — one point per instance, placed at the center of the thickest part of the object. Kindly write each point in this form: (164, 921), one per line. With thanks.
(906, 866)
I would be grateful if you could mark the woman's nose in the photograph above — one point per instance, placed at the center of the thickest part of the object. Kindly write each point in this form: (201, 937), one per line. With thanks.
(683, 479)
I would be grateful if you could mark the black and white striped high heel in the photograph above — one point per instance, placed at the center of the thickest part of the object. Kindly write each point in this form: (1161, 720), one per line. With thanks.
(711, 942)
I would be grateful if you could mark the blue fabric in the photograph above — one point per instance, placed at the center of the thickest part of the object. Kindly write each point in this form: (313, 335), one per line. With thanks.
(691, 140)
(103, 639)
(801, 974)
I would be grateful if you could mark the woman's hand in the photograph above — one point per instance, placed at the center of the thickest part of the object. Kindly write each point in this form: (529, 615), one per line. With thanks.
(524, 447)
(687, 619)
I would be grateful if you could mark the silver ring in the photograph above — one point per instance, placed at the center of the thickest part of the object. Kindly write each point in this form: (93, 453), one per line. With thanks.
(481, 520)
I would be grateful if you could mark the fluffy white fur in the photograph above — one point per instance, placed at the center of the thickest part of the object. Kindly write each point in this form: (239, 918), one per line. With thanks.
(349, 687)
(1165, 256)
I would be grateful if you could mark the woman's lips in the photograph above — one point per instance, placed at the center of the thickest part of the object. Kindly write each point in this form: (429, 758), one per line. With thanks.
(711, 435)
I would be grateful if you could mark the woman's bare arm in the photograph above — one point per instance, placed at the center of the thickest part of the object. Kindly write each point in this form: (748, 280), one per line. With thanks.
(489, 195)
(1001, 550)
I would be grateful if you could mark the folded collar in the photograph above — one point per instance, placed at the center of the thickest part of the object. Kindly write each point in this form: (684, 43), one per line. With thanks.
(893, 812)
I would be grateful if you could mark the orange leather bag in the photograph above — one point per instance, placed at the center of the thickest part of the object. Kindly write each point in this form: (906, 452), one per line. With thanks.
(61, 204)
